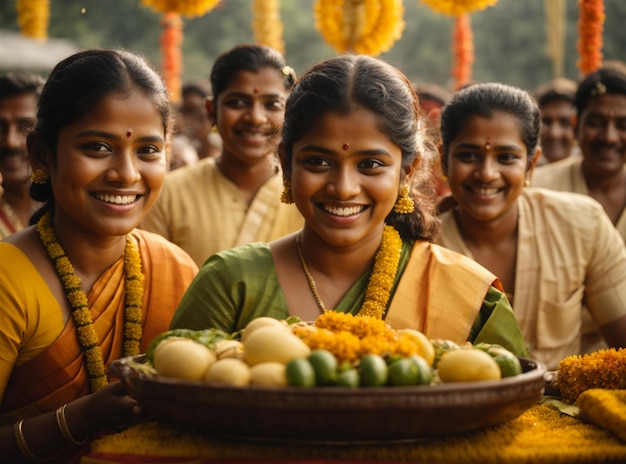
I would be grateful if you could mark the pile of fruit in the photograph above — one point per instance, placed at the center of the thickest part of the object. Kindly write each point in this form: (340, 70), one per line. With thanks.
(337, 350)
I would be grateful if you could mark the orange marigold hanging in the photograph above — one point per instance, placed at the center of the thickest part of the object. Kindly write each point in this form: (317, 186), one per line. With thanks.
(33, 17)
(369, 27)
(463, 50)
(458, 7)
(171, 41)
(590, 26)
(189, 8)
(266, 24)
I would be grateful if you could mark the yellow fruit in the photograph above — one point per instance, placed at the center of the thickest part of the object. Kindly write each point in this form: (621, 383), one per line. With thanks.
(182, 358)
(467, 365)
(269, 374)
(259, 322)
(273, 344)
(229, 349)
(229, 371)
(426, 348)
(373, 371)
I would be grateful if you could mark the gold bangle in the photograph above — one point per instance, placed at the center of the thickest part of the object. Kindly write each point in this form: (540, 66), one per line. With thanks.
(65, 430)
(21, 442)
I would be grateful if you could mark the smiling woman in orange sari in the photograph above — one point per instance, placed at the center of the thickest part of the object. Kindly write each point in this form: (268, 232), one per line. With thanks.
(83, 287)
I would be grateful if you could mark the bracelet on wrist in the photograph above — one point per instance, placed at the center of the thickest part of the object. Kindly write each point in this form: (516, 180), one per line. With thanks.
(65, 430)
(21, 442)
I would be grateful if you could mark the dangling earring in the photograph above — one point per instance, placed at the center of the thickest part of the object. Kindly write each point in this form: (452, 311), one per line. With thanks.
(526, 183)
(404, 204)
(286, 197)
(39, 176)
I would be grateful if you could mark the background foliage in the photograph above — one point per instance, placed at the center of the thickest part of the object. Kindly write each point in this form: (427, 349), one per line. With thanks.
(510, 37)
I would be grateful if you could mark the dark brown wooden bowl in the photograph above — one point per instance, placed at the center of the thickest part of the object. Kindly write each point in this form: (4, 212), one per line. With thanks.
(334, 414)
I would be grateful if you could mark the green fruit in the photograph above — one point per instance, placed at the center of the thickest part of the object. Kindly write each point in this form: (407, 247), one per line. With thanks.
(300, 373)
(373, 371)
(403, 372)
(507, 362)
(424, 370)
(325, 366)
(348, 378)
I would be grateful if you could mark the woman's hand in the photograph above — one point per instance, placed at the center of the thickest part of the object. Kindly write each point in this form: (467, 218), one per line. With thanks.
(108, 408)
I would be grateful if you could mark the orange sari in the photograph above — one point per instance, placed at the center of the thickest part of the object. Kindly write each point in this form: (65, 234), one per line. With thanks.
(58, 375)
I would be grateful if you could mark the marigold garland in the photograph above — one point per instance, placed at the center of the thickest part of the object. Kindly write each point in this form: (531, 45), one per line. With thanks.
(171, 41)
(189, 8)
(590, 26)
(81, 313)
(368, 27)
(463, 50)
(350, 337)
(601, 369)
(383, 275)
(266, 24)
(458, 7)
(33, 17)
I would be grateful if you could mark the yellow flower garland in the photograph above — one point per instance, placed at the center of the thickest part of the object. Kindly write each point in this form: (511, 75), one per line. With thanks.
(189, 8)
(369, 27)
(33, 17)
(77, 299)
(384, 273)
(458, 7)
(266, 24)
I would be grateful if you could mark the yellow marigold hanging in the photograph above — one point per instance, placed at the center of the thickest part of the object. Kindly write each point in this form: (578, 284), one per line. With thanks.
(189, 8)
(171, 41)
(458, 7)
(266, 24)
(33, 17)
(590, 26)
(369, 27)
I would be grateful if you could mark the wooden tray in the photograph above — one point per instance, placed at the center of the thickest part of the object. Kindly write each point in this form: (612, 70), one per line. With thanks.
(334, 414)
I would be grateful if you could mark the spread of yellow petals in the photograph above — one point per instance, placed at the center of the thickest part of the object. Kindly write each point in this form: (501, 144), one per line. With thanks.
(266, 24)
(604, 408)
(601, 369)
(350, 337)
(368, 27)
(33, 17)
(458, 7)
(189, 8)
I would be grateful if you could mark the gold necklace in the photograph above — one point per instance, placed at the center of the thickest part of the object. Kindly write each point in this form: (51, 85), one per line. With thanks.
(87, 336)
(309, 277)
(381, 280)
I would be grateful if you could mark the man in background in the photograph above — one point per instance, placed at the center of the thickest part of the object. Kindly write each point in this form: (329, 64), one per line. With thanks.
(19, 93)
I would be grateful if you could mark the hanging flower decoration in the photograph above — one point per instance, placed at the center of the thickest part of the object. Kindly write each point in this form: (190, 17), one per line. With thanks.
(266, 24)
(555, 32)
(189, 8)
(369, 27)
(171, 40)
(458, 7)
(463, 49)
(590, 26)
(33, 17)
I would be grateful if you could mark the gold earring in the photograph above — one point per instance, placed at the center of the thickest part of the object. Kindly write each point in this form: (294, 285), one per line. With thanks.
(39, 176)
(526, 183)
(404, 204)
(286, 197)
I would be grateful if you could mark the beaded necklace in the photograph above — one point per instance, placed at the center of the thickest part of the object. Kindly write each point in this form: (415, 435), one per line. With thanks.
(77, 299)
(381, 280)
